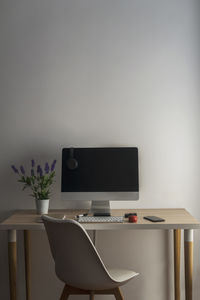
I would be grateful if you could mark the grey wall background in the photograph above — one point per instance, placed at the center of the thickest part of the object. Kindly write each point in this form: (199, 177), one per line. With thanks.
(103, 73)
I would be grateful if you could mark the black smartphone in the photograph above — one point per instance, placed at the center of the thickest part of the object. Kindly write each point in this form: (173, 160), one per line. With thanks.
(154, 219)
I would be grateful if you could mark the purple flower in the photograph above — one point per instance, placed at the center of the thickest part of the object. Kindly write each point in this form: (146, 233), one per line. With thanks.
(46, 168)
(32, 163)
(53, 165)
(15, 169)
(32, 172)
(22, 170)
(38, 169)
(41, 172)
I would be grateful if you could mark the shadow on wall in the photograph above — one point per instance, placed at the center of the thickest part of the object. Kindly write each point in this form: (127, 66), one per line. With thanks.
(148, 252)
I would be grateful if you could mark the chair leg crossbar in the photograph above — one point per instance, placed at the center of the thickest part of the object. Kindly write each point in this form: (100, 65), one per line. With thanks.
(68, 290)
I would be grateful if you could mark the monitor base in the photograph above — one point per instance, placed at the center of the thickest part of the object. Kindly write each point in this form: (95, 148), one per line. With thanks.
(100, 208)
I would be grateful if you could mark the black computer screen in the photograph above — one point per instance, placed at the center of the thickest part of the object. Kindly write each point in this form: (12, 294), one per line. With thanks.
(100, 170)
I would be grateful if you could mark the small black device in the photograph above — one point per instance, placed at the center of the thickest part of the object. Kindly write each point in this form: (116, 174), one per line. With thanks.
(154, 219)
(129, 214)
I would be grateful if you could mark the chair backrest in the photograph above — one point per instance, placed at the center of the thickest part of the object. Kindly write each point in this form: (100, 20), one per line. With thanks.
(77, 262)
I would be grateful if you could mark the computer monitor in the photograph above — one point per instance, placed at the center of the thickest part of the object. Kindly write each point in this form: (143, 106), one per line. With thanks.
(100, 175)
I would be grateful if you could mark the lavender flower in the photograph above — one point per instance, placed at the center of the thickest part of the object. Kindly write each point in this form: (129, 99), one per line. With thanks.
(32, 172)
(38, 169)
(32, 163)
(15, 169)
(53, 165)
(22, 170)
(46, 168)
(41, 172)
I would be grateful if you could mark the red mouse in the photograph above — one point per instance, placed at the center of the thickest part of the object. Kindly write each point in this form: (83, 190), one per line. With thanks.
(132, 219)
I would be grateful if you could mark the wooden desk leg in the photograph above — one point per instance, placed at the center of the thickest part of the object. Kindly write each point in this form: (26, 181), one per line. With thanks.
(188, 238)
(177, 262)
(27, 262)
(91, 295)
(12, 260)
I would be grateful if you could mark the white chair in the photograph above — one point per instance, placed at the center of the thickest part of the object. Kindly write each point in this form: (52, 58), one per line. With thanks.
(78, 264)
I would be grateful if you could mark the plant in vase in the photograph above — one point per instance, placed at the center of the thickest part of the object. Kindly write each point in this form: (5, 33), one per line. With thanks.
(39, 181)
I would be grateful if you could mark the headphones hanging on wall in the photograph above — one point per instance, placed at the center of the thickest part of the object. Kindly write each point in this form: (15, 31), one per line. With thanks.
(72, 163)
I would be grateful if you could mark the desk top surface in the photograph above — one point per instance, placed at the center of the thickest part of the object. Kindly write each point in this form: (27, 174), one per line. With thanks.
(174, 219)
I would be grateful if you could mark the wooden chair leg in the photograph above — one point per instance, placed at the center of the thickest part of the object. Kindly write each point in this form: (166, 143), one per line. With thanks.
(65, 293)
(118, 294)
(91, 295)
(69, 290)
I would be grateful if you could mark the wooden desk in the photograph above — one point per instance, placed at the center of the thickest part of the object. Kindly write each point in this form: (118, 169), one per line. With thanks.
(175, 219)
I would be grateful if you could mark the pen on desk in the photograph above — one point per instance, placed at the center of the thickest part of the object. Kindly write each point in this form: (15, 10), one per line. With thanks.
(82, 215)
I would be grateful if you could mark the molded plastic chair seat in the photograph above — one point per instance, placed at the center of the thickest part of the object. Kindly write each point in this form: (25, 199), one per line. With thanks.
(121, 275)
(77, 262)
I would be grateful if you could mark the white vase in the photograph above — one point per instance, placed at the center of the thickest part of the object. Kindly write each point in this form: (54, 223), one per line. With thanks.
(42, 206)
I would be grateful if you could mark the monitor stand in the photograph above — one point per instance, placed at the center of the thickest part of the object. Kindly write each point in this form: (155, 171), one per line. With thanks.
(100, 208)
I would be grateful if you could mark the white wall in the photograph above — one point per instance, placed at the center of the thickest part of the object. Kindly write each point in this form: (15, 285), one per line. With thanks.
(103, 73)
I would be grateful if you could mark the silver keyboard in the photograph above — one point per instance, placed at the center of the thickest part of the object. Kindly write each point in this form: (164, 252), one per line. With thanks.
(91, 219)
